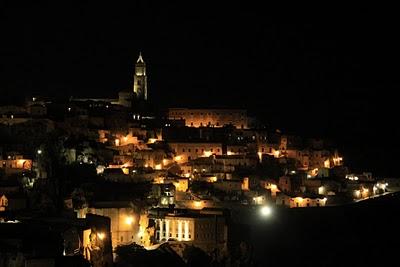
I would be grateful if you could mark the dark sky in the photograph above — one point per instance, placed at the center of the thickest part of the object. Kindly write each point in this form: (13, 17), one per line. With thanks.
(331, 72)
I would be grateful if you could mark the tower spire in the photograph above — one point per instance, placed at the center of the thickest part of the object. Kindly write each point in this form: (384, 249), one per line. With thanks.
(140, 59)
(140, 79)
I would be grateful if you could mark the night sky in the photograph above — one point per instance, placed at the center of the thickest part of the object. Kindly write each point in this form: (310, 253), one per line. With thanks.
(325, 73)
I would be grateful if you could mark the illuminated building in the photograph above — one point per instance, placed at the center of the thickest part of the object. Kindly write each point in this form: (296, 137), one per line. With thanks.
(259, 200)
(150, 158)
(164, 193)
(124, 220)
(301, 200)
(297, 202)
(200, 203)
(206, 231)
(181, 184)
(229, 185)
(186, 151)
(245, 184)
(237, 160)
(139, 90)
(236, 149)
(271, 185)
(361, 177)
(140, 79)
(15, 164)
(267, 149)
(210, 117)
(3, 203)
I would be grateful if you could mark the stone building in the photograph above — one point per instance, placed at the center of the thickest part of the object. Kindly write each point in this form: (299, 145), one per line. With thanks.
(210, 117)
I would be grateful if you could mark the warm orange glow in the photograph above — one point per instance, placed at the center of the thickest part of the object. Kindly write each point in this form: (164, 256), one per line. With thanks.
(327, 164)
(152, 140)
(276, 153)
(207, 153)
(181, 185)
(101, 236)
(158, 180)
(260, 156)
(178, 158)
(245, 184)
(197, 204)
(258, 200)
(117, 142)
(129, 220)
(212, 179)
(158, 167)
(299, 199)
(321, 190)
(125, 170)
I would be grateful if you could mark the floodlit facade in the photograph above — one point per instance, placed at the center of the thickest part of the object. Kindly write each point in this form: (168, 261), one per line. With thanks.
(124, 222)
(210, 117)
(301, 201)
(15, 164)
(185, 151)
(140, 79)
(204, 231)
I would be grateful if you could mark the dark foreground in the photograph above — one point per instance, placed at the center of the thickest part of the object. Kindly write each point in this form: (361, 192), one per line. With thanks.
(362, 234)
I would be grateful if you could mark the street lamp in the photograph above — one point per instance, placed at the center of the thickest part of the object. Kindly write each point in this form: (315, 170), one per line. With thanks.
(265, 211)
(129, 220)
(101, 236)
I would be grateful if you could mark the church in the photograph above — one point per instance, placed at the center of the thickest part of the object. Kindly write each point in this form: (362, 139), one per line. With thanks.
(134, 98)
(138, 93)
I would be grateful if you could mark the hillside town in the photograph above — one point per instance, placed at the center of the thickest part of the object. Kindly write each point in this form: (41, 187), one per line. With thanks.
(90, 180)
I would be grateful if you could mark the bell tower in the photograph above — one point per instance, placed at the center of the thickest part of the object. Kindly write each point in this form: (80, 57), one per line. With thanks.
(140, 79)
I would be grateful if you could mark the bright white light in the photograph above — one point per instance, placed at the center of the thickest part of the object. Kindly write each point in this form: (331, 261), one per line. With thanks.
(207, 153)
(101, 236)
(197, 204)
(39, 151)
(129, 220)
(158, 167)
(265, 211)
